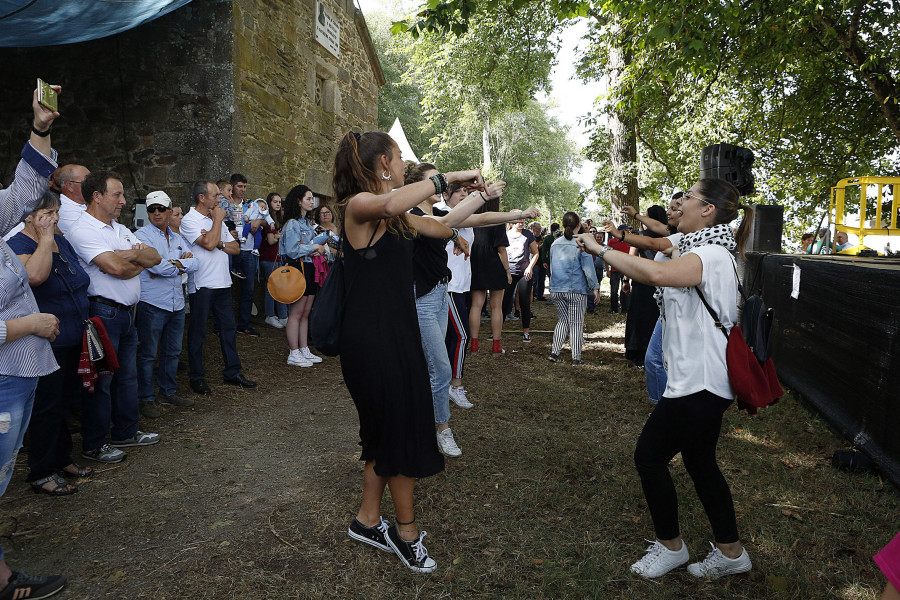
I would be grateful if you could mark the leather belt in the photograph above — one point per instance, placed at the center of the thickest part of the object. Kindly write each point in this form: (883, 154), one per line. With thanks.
(108, 302)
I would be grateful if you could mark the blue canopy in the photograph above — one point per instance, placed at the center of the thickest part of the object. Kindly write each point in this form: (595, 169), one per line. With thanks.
(53, 22)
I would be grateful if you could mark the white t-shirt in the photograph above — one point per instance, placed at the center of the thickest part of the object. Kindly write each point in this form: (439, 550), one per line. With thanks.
(460, 266)
(693, 348)
(213, 270)
(69, 212)
(674, 238)
(91, 237)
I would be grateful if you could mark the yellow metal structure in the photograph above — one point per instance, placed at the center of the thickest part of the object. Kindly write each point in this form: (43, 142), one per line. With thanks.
(838, 206)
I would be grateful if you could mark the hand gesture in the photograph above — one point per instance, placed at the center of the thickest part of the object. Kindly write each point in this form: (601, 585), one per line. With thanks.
(472, 178)
(494, 189)
(609, 226)
(217, 213)
(45, 226)
(44, 325)
(531, 213)
(43, 116)
(672, 252)
(318, 250)
(186, 255)
(629, 210)
(461, 246)
(234, 234)
(586, 242)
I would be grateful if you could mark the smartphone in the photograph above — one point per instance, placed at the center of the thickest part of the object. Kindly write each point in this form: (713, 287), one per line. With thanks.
(47, 95)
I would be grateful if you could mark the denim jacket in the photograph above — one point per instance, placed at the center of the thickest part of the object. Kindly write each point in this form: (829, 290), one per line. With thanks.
(571, 270)
(297, 239)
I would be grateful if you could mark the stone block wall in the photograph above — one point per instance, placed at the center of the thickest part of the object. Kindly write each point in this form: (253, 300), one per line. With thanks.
(215, 87)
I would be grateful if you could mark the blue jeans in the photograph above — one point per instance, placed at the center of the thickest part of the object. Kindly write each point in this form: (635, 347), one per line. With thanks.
(16, 399)
(653, 365)
(115, 396)
(217, 301)
(433, 310)
(162, 330)
(273, 309)
(249, 265)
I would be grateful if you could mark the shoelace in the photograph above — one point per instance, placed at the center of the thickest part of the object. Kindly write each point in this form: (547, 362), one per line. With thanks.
(24, 578)
(708, 565)
(383, 526)
(421, 552)
(652, 552)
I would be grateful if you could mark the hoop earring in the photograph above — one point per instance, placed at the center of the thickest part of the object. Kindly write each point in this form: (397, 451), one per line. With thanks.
(388, 178)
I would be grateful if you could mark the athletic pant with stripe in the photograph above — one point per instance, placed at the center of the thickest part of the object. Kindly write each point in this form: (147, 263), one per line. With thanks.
(458, 331)
(570, 307)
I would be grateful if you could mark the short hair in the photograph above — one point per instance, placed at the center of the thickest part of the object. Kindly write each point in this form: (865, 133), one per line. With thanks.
(48, 201)
(236, 177)
(807, 236)
(96, 182)
(198, 188)
(554, 227)
(222, 182)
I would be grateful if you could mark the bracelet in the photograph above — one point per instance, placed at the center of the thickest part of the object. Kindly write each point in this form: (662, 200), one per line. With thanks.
(40, 133)
(622, 239)
(453, 237)
(603, 251)
(440, 183)
(483, 197)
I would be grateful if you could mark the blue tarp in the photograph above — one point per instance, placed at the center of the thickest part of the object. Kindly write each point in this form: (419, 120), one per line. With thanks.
(53, 22)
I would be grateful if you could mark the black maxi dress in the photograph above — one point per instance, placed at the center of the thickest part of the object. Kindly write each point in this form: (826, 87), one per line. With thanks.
(487, 269)
(383, 362)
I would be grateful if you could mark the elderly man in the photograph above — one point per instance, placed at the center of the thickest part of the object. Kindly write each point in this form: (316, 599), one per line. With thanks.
(204, 229)
(113, 258)
(160, 313)
(842, 241)
(71, 200)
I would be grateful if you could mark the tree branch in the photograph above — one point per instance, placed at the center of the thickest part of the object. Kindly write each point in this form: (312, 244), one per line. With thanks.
(653, 155)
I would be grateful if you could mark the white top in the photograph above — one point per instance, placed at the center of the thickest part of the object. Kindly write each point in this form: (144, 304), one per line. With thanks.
(693, 348)
(69, 212)
(460, 266)
(91, 238)
(674, 238)
(213, 271)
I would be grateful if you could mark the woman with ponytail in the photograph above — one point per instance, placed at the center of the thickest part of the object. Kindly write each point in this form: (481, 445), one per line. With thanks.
(689, 415)
(572, 278)
(382, 359)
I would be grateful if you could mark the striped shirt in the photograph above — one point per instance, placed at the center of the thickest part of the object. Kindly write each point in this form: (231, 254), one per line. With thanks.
(30, 355)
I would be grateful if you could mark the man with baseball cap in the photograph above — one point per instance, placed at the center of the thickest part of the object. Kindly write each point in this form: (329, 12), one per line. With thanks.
(160, 312)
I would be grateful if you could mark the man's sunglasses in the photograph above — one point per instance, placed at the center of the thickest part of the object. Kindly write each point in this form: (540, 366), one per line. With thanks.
(156, 208)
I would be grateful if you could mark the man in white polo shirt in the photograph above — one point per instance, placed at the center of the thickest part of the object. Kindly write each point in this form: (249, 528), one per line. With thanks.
(203, 227)
(71, 198)
(113, 258)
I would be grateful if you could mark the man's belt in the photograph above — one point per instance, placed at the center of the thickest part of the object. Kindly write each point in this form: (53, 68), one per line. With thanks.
(108, 302)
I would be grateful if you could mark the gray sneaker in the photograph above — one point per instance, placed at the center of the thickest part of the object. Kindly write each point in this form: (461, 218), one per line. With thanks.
(105, 454)
(138, 439)
(150, 409)
(175, 400)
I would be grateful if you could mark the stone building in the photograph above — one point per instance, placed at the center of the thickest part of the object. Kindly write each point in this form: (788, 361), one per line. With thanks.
(215, 87)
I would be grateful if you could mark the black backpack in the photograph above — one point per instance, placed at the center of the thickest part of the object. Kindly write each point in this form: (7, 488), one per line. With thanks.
(757, 321)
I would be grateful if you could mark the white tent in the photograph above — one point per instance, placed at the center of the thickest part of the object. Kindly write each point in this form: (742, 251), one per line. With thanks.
(399, 136)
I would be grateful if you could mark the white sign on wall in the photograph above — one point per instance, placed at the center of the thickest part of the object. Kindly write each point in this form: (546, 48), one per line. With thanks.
(328, 30)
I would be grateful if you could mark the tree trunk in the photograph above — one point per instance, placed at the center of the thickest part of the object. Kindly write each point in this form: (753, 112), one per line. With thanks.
(486, 145)
(623, 146)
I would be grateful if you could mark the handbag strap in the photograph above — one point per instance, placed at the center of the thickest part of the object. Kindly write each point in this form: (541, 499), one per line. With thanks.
(712, 313)
(85, 316)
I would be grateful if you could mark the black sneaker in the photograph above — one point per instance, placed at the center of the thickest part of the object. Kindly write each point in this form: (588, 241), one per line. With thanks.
(374, 536)
(553, 357)
(31, 587)
(249, 331)
(412, 554)
(526, 337)
(577, 362)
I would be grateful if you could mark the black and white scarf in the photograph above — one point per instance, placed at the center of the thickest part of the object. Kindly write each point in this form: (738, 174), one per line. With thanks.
(720, 235)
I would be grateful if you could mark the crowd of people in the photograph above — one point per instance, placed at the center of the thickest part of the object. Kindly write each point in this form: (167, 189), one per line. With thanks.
(89, 305)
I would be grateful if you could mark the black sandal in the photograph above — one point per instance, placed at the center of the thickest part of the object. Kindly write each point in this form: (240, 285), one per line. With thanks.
(79, 471)
(61, 488)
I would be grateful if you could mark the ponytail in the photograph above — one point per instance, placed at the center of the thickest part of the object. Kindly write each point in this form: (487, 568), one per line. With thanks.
(743, 233)
(571, 223)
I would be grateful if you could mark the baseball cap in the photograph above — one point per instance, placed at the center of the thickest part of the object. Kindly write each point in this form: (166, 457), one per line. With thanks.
(159, 197)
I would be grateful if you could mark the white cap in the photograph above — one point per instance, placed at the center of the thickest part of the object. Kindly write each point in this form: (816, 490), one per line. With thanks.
(160, 198)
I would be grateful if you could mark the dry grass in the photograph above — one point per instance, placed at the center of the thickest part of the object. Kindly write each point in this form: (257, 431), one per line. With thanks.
(250, 496)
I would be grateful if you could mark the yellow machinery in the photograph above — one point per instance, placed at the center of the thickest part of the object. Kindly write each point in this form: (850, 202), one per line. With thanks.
(882, 224)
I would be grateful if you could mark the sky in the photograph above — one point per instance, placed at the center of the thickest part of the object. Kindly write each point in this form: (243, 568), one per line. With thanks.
(572, 98)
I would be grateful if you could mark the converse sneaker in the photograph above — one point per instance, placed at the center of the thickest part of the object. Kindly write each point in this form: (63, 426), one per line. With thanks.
(526, 337)
(717, 565)
(105, 454)
(22, 585)
(274, 322)
(310, 356)
(553, 358)
(412, 554)
(458, 395)
(283, 322)
(138, 439)
(296, 359)
(374, 536)
(447, 444)
(659, 560)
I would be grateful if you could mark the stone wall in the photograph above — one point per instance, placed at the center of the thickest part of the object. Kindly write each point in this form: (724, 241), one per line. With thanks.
(215, 87)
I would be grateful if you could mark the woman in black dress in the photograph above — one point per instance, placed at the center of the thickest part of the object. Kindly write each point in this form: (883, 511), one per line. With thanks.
(382, 358)
(490, 271)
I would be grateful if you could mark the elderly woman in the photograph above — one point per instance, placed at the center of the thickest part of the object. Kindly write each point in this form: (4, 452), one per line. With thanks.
(25, 333)
(60, 287)
(689, 415)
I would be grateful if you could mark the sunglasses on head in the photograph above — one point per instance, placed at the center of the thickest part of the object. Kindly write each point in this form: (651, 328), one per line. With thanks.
(156, 208)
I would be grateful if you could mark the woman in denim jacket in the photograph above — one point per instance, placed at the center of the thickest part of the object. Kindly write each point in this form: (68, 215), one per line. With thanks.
(299, 243)
(572, 278)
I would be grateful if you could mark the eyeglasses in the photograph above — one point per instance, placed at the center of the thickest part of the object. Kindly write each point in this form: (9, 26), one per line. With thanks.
(78, 182)
(156, 208)
(62, 257)
(688, 196)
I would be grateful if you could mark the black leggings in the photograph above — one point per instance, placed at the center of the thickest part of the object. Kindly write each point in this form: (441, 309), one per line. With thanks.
(523, 289)
(689, 425)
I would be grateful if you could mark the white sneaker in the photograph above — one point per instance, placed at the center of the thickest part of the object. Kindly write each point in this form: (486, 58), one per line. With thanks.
(283, 322)
(310, 356)
(274, 322)
(447, 444)
(659, 560)
(458, 395)
(295, 358)
(717, 565)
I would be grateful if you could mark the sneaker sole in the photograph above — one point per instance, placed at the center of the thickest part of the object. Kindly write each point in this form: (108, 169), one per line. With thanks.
(720, 574)
(106, 462)
(133, 444)
(365, 540)
(467, 405)
(403, 560)
(669, 570)
(296, 364)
